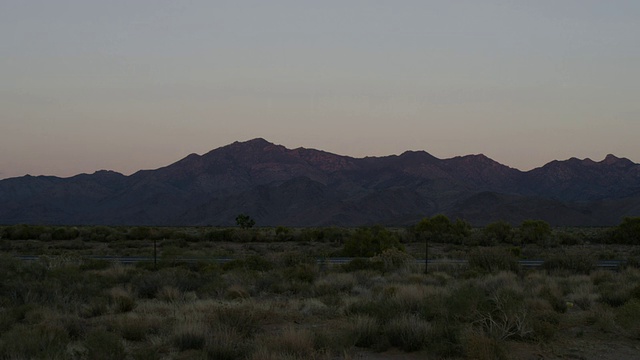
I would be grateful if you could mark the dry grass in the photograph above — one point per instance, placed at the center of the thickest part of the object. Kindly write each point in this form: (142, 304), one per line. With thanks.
(287, 307)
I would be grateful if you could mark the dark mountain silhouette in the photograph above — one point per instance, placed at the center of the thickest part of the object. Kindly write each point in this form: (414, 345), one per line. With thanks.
(307, 187)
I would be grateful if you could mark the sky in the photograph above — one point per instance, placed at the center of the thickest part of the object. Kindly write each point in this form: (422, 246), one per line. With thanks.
(122, 85)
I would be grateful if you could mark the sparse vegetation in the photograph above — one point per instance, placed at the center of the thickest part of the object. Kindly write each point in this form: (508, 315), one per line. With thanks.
(275, 298)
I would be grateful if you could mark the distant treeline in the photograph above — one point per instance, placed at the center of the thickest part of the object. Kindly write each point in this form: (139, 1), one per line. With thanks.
(436, 229)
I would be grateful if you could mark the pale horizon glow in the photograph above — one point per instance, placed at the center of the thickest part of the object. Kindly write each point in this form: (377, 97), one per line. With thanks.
(125, 86)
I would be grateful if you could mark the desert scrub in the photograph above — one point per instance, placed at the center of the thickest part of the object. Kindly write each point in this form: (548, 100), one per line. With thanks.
(42, 341)
(408, 332)
(366, 264)
(477, 345)
(225, 343)
(251, 263)
(493, 260)
(628, 317)
(289, 342)
(569, 262)
(364, 330)
(104, 345)
(506, 316)
(136, 327)
(121, 300)
(334, 283)
(393, 259)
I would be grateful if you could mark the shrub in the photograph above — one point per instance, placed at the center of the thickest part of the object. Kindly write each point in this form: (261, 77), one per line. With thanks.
(136, 327)
(190, 335)
(553, 294)
(121, 300)
(445, 339)
(440, 229)
(463, 302)
(253, 262)
(628, 316)
(358, 264)
(394, 259)
(34, 342)
(628, 232)
(365, 330)
(220, 235)
(478, 345)
(334, 283)
(408, 332)
(535, 232)
(492, 260)
(499, 232)
(381, 309)
(226, 343)
(544, 324)
(236, 292)
(367, 242)
(302, 272)
(103, 345)
(571, 262)
(507, 317)
(242, 317)
(290, 342)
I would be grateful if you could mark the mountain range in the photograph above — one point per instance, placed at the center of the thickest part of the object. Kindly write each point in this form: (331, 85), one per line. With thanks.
(306, 187)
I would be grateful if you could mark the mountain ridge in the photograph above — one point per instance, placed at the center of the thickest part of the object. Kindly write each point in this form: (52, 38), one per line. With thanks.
(309, 187)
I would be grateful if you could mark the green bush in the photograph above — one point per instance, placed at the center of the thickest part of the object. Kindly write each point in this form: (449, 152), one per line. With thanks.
(441, 230)
(499, 232)
(367, 242)
(535, 232)
(628, 232)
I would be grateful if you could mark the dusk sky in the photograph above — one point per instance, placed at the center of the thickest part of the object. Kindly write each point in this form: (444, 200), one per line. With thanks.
(127, 85)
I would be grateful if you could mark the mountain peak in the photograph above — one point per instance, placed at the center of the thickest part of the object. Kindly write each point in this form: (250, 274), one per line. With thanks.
(611, 159)
(256, 141)
(307, 187)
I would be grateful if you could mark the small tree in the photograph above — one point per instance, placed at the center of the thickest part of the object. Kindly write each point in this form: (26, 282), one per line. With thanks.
(535, 232)
(370, 241)
(440, 229)
(497, 232)
(245, 221)
(628, 232)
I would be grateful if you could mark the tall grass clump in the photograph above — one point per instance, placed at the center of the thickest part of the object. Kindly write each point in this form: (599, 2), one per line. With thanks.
(365, 330)
(493, 260)
(408, 332)
(103, 345)
(226, 343)
(43, 341)
(290, 342)
(190, 335)
(573, 263)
